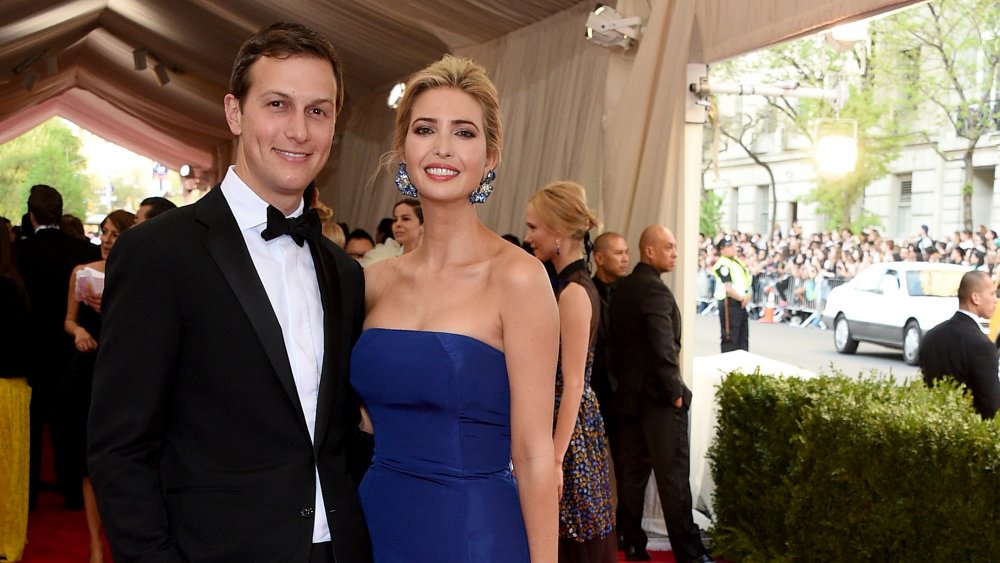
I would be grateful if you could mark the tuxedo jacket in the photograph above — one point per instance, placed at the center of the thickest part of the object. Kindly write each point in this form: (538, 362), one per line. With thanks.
(958, 348)
(644, 342)
(46, 260)
(198, 446)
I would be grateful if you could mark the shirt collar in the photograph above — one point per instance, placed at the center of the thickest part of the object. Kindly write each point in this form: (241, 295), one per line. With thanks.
(248, 208)
(971, 315)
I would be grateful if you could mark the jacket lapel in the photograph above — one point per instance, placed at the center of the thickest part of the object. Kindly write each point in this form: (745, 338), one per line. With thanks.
(226, 245)
(329, 291)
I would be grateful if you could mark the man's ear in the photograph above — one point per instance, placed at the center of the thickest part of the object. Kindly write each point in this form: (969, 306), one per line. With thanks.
(234, 114)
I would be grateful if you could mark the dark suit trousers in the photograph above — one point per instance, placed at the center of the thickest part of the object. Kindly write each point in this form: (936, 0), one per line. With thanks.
(657, 440)
(52, 405)
(739, 326)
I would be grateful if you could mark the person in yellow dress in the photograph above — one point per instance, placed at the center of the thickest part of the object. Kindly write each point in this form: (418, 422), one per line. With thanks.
(15, 398)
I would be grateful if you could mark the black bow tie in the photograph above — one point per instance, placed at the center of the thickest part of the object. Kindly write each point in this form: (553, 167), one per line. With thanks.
(302, 228)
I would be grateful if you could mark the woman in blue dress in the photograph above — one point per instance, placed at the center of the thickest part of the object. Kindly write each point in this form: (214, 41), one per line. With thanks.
(558, 224)
(461, 340)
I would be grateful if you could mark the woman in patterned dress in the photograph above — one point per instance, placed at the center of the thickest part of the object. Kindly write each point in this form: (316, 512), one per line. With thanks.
(558, 225)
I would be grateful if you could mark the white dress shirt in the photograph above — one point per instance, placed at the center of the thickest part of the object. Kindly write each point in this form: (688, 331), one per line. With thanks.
(289, 277)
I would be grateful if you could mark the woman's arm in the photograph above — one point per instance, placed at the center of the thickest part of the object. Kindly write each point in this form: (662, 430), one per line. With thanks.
(530, 324)
(575, 311)
(82, 339)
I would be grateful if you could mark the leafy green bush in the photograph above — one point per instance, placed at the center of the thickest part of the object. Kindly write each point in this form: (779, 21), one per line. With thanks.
(844, 469)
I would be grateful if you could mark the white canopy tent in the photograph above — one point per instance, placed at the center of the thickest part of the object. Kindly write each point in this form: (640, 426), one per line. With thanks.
(617, 124)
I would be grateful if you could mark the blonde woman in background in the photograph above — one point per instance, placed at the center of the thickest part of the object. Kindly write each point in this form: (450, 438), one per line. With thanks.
(558, 230)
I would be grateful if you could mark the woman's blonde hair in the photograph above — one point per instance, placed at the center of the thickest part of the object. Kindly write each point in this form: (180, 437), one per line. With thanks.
(562, 206)
(451, 72)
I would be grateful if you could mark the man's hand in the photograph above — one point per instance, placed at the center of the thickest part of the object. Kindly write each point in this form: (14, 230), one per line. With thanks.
(679, 402)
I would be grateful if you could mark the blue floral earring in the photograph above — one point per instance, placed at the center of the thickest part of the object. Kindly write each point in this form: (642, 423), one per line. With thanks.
(484, 189)
(403, 182)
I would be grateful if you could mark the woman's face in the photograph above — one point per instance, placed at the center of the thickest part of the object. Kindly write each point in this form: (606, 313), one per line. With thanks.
(537, 234)
(445, 147)
(406, 227)
(109, 235)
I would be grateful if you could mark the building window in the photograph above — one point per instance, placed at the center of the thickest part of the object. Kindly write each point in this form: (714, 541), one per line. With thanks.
(763, 205)
(905, 205)
(734, 208)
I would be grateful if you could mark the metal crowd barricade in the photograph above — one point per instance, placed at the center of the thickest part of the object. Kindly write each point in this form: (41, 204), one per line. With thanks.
(781, 297)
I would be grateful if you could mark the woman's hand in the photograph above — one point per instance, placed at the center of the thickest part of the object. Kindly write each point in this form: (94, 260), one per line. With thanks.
(366, 425)
(83, 341)
(559, 478)
(93, 300)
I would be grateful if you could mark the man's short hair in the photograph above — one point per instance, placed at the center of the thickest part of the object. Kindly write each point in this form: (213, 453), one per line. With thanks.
(72, 226)
(281, 41)
(603, 240)
(972, 281)
(157, 205)
(360, 234)
(45, 203)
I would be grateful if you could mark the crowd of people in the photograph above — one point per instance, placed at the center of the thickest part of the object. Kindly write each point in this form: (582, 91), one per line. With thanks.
(797, 271)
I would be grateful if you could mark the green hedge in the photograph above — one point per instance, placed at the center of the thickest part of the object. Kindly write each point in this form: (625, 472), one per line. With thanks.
(846, 469)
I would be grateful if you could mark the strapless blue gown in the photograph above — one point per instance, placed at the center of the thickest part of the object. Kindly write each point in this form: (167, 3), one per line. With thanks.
(440, 487)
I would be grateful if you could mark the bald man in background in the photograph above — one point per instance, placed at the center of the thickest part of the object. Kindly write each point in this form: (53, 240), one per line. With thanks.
(958, 348)
(651, 401)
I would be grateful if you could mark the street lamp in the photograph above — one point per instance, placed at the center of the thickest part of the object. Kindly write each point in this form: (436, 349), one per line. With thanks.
(836, 149)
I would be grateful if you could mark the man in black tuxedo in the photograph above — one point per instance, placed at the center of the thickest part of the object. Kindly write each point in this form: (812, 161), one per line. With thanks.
(222, 420)
(959, 349)
(46, 259)
(651, 402)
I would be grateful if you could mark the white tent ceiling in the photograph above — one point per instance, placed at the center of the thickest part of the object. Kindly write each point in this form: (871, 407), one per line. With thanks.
(96, 85)
(380, 41)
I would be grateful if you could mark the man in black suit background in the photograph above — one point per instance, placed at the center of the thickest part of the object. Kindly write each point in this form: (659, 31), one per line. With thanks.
(611, 264)
(651, 402)
(46, 259)
(222, 418)
(959, 349)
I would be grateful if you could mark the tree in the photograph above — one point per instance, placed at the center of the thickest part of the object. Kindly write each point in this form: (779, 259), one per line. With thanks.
(955, 49)
(48, 154)
(812, 62)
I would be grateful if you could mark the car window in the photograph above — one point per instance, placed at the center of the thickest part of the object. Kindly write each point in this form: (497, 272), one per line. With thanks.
(868, 279)
(934, 283)
(889, 284)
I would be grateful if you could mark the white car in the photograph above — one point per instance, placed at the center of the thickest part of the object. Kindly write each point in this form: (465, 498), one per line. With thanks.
(893, 304)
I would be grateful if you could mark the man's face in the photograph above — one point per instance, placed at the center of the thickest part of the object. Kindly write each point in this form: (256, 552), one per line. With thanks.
(285, 124)
(664, 252)
(141, 213)
(357, 247)
(984, 300)
(612, 260)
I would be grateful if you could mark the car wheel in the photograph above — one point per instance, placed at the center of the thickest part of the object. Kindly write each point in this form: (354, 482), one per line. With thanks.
(911, 343)
(842, 339)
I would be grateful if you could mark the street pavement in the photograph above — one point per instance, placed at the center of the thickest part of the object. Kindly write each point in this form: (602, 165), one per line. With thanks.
(809, 348)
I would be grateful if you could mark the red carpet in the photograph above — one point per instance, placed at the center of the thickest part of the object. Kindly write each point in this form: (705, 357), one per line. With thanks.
(57, 535)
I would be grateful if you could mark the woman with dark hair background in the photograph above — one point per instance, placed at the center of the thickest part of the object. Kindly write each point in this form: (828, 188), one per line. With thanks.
(83, 323)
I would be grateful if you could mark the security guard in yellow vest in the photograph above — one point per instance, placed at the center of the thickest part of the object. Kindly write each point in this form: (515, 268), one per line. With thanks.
(732, 290)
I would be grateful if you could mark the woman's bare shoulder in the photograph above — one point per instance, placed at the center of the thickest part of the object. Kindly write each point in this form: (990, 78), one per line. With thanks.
(516, 270)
